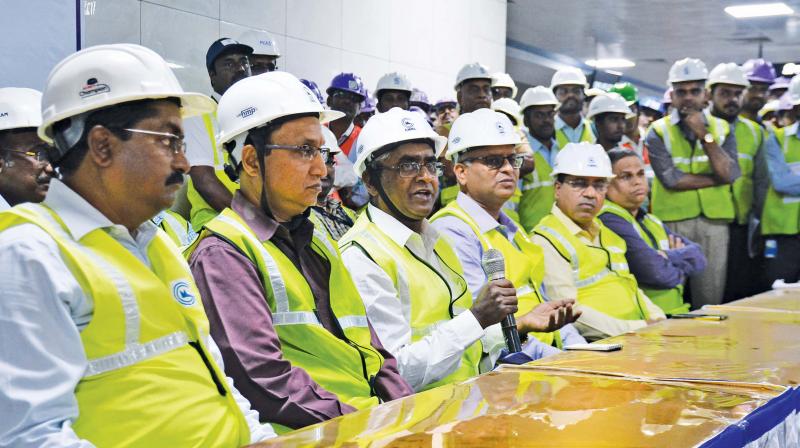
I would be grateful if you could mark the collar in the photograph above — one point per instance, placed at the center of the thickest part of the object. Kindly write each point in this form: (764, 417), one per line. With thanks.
(537, 145)
(792, 129)
(559, 123)
(573, 228)
(346, 134)
(78, 215)
(4, 205)
(262, 225)
(397, 231)
(481, 217)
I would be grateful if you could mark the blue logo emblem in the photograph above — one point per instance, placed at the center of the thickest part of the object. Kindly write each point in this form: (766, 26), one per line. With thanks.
(182, 293)
(408, 125)
(500, 128)
(246, 112)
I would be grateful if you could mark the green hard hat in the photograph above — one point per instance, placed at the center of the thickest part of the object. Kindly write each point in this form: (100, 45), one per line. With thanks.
(627, 91)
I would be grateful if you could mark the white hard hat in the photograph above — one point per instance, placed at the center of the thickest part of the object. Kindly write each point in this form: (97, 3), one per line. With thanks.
(504, 80)
(537, 96)
(509, 107)
(484, 127)
(20, 108)
(330, 140)
(568, 76)
(687, 69)
(258, 100)
(770, 106)
(107, 75)
(393, 81)
(794, 89)
(476, 70)
(261, 41)
(727, 73)
(394, 126)
(583, 159)
(609, 102)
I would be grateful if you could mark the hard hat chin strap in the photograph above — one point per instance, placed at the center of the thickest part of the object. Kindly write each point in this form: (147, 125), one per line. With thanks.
(375, 174)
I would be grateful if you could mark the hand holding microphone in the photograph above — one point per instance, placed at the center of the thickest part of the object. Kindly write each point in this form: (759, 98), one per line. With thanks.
(497, 301)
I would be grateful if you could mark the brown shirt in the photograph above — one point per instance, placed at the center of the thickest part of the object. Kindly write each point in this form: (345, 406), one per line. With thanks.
(241, 322)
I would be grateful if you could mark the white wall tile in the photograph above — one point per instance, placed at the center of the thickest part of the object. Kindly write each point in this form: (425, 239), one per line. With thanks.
(412, 33)
(488, 53)
(488, 20)
(317, 21)
(432, 83)
(368, 68)
(208, 8)
(312, 61)
(267, 15)
(365, 25)
(450, 49)
(234, 31)
(112, 22)
(181, 38)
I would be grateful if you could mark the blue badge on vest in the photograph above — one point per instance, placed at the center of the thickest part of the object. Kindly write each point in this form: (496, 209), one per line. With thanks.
(182, 293)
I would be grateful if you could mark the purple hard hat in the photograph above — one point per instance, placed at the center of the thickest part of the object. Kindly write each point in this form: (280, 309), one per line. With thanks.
(314, 88)
(348, 82)
(785, 102)
(759, 70)
(368, 105)
(781, 82)
(418, 96)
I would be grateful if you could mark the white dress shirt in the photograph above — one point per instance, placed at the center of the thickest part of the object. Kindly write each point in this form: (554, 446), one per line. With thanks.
(42, 312)
(436, 355)
(4, 205)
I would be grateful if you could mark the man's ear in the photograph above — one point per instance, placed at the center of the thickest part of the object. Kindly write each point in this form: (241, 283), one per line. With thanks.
(100, 142)
(367, 179)
(250, 161)
(460, 171)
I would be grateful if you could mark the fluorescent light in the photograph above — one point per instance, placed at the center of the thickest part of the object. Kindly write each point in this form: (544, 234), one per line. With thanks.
(610, 63)
(759, 10)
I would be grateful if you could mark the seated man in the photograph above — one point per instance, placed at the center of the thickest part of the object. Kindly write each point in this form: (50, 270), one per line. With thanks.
(584, 258)
(660, 259)
(329, 214)
(486, 164)
(409, 277)
(281, 304)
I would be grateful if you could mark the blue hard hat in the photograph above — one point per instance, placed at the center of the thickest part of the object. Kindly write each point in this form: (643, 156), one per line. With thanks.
(314, 88)
(348, 82)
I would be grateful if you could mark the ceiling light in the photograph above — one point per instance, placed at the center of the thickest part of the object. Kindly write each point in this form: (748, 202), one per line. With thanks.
(610, 63)
(759, 10)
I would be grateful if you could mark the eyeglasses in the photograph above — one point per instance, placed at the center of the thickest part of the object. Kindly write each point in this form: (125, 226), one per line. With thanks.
(497, 162)
(37, 154)
(174, 143)
(307, 152)
(600, 186)
(413, 169)
(259, 68)
(230, 64)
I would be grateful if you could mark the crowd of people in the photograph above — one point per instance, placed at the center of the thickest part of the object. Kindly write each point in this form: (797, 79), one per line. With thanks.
(185, 270)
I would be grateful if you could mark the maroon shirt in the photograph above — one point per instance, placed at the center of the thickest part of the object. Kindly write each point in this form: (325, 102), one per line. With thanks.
(241, 323)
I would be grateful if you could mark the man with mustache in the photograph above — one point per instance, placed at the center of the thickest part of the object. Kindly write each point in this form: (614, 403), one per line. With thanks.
(726, 84)
(482, 146)
(210, 190)
(694, 158)
(568, 85)
(25, 169)
(610, 114)
(583, 258)
(393, 90)
(761, 75)
(265, 54)
(104, 339)
(659, 259)
(346, 94)
(282, 306)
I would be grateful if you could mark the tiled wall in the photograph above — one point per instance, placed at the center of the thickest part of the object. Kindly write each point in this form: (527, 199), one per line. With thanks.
(428, 40)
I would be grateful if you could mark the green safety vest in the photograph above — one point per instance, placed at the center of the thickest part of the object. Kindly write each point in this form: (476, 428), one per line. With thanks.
(749, 138)
(176, 227)
(201, 212)
(345, 367)
(781, 215)
(524, 264)
(448, 194)
(711, 202)
(150, 380)
(430, 297)
(601, 272)
(537, 193)
(586, 136)
(654, 234)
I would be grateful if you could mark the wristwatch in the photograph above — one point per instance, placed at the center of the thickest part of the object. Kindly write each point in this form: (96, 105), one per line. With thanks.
(708, 138)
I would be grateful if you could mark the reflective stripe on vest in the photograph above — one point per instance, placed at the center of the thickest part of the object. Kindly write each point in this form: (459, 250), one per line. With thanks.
(749, 139)
(537, 191)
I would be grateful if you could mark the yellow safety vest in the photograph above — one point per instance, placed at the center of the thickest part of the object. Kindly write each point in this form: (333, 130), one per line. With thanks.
(150, 380)
(346, 367)
(749, 138)
(586, 136)
(524, 263)
(448, 194)
(601, 272)
(653, 233)
(781, 215)
(711, 202)
(431, 297)
(177, 228)
(537, 193)
(201, 212)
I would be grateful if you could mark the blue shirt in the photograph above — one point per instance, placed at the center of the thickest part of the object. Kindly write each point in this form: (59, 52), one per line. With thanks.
(469, 250)
(537, 147)
(573, 134)
(783, 179)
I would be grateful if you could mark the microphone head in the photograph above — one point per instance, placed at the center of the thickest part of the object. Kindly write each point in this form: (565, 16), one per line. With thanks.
(494, 265)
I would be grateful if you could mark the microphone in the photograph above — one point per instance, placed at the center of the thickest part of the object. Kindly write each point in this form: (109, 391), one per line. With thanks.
(494, 266)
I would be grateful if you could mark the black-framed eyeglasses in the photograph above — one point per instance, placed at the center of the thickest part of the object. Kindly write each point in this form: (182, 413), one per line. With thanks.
(307, 152)
(413, 169)
(497, 162)
(600, 186)
(174, 143)
(38, 154)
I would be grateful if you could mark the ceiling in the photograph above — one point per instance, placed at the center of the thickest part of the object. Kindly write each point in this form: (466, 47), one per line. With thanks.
(544, 35)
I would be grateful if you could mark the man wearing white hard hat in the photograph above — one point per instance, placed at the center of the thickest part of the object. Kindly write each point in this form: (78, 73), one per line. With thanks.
(282, 305)
(727, 83)
(503, 86)
(393, 90)
(694, 159)
(584, 259)
(101, 305)
(328, 213)
(265, 51)
(780, 220)
(538, 109)
(25, 169)
(473, 88)
(482, 147)
(568, 85)
(609, 112)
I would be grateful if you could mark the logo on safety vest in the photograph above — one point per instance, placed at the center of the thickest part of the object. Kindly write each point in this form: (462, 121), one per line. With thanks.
(408, 125)
(182, 293)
